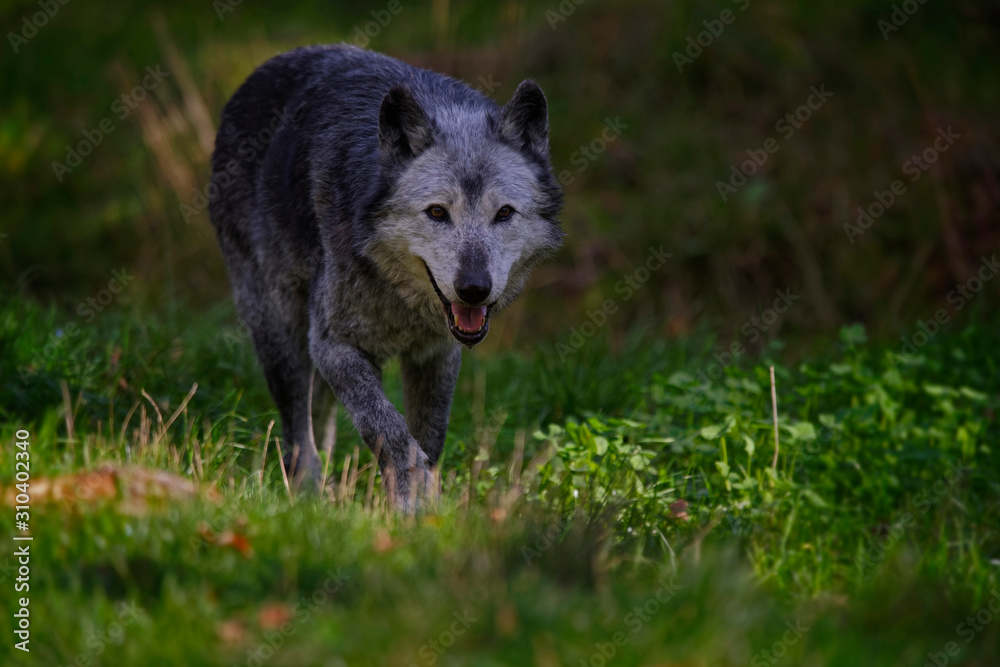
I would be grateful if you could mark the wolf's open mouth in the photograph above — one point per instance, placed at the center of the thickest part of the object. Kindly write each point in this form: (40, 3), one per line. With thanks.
(468, 324)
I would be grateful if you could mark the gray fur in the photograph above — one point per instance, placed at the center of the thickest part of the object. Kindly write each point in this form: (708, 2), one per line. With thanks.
(331, 247)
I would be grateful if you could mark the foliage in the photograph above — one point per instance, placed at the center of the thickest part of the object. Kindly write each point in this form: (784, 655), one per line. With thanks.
(551, 533)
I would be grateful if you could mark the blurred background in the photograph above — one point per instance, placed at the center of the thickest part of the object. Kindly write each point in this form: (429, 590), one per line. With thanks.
(655, 109)
(739, 137)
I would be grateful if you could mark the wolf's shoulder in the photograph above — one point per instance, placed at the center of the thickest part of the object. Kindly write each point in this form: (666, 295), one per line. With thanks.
(325, 73)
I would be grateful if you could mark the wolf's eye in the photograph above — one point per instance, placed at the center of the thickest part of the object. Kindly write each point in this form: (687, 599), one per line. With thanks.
(437, 212)
(504, 213)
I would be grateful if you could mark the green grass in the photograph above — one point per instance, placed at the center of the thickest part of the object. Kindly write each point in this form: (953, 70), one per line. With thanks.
(573, 488)
(574, 493)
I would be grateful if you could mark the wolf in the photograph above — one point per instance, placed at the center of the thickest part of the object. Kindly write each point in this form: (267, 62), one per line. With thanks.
(367, 210)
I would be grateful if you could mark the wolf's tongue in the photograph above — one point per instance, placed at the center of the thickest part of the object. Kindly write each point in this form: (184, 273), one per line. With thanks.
(468, 318)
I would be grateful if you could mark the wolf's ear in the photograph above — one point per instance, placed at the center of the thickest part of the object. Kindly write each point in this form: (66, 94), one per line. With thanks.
(404, 131)
(524, 120)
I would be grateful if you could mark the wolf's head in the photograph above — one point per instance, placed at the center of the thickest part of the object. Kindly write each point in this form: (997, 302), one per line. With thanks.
(472, 204)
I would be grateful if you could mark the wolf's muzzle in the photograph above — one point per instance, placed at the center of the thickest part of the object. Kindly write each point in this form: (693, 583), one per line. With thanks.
(473, 287)
(468, 324)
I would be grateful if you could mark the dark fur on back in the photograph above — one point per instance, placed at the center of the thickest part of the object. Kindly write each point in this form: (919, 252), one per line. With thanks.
(323, 161)
(331, 95)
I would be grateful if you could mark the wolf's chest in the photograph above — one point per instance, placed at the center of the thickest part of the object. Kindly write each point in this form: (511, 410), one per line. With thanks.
(385, 325)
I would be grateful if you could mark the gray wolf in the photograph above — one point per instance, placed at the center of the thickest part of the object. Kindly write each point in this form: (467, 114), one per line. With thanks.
(390, 212)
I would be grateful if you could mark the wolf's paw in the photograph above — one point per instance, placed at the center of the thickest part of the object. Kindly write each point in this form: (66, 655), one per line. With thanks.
(414, 487)
(305, 475)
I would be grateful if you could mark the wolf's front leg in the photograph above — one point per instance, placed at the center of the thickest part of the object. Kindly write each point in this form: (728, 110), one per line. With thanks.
(356, 383)
(428, 386)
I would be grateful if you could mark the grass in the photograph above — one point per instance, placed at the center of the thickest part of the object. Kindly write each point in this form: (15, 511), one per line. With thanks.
(609, 503)
(622, 487)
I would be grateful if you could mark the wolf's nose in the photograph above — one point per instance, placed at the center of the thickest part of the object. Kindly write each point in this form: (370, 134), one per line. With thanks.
(473, 287)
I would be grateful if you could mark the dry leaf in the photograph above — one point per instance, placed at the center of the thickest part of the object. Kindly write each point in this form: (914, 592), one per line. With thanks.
(205, 532)
(132, 487)
(230, 632)
(678, 510)
(506, 620)
(238, 541)
(273, 615)
(116, 355)
(383, 541)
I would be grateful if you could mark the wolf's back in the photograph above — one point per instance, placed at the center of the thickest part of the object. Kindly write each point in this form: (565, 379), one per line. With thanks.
(312, 114)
